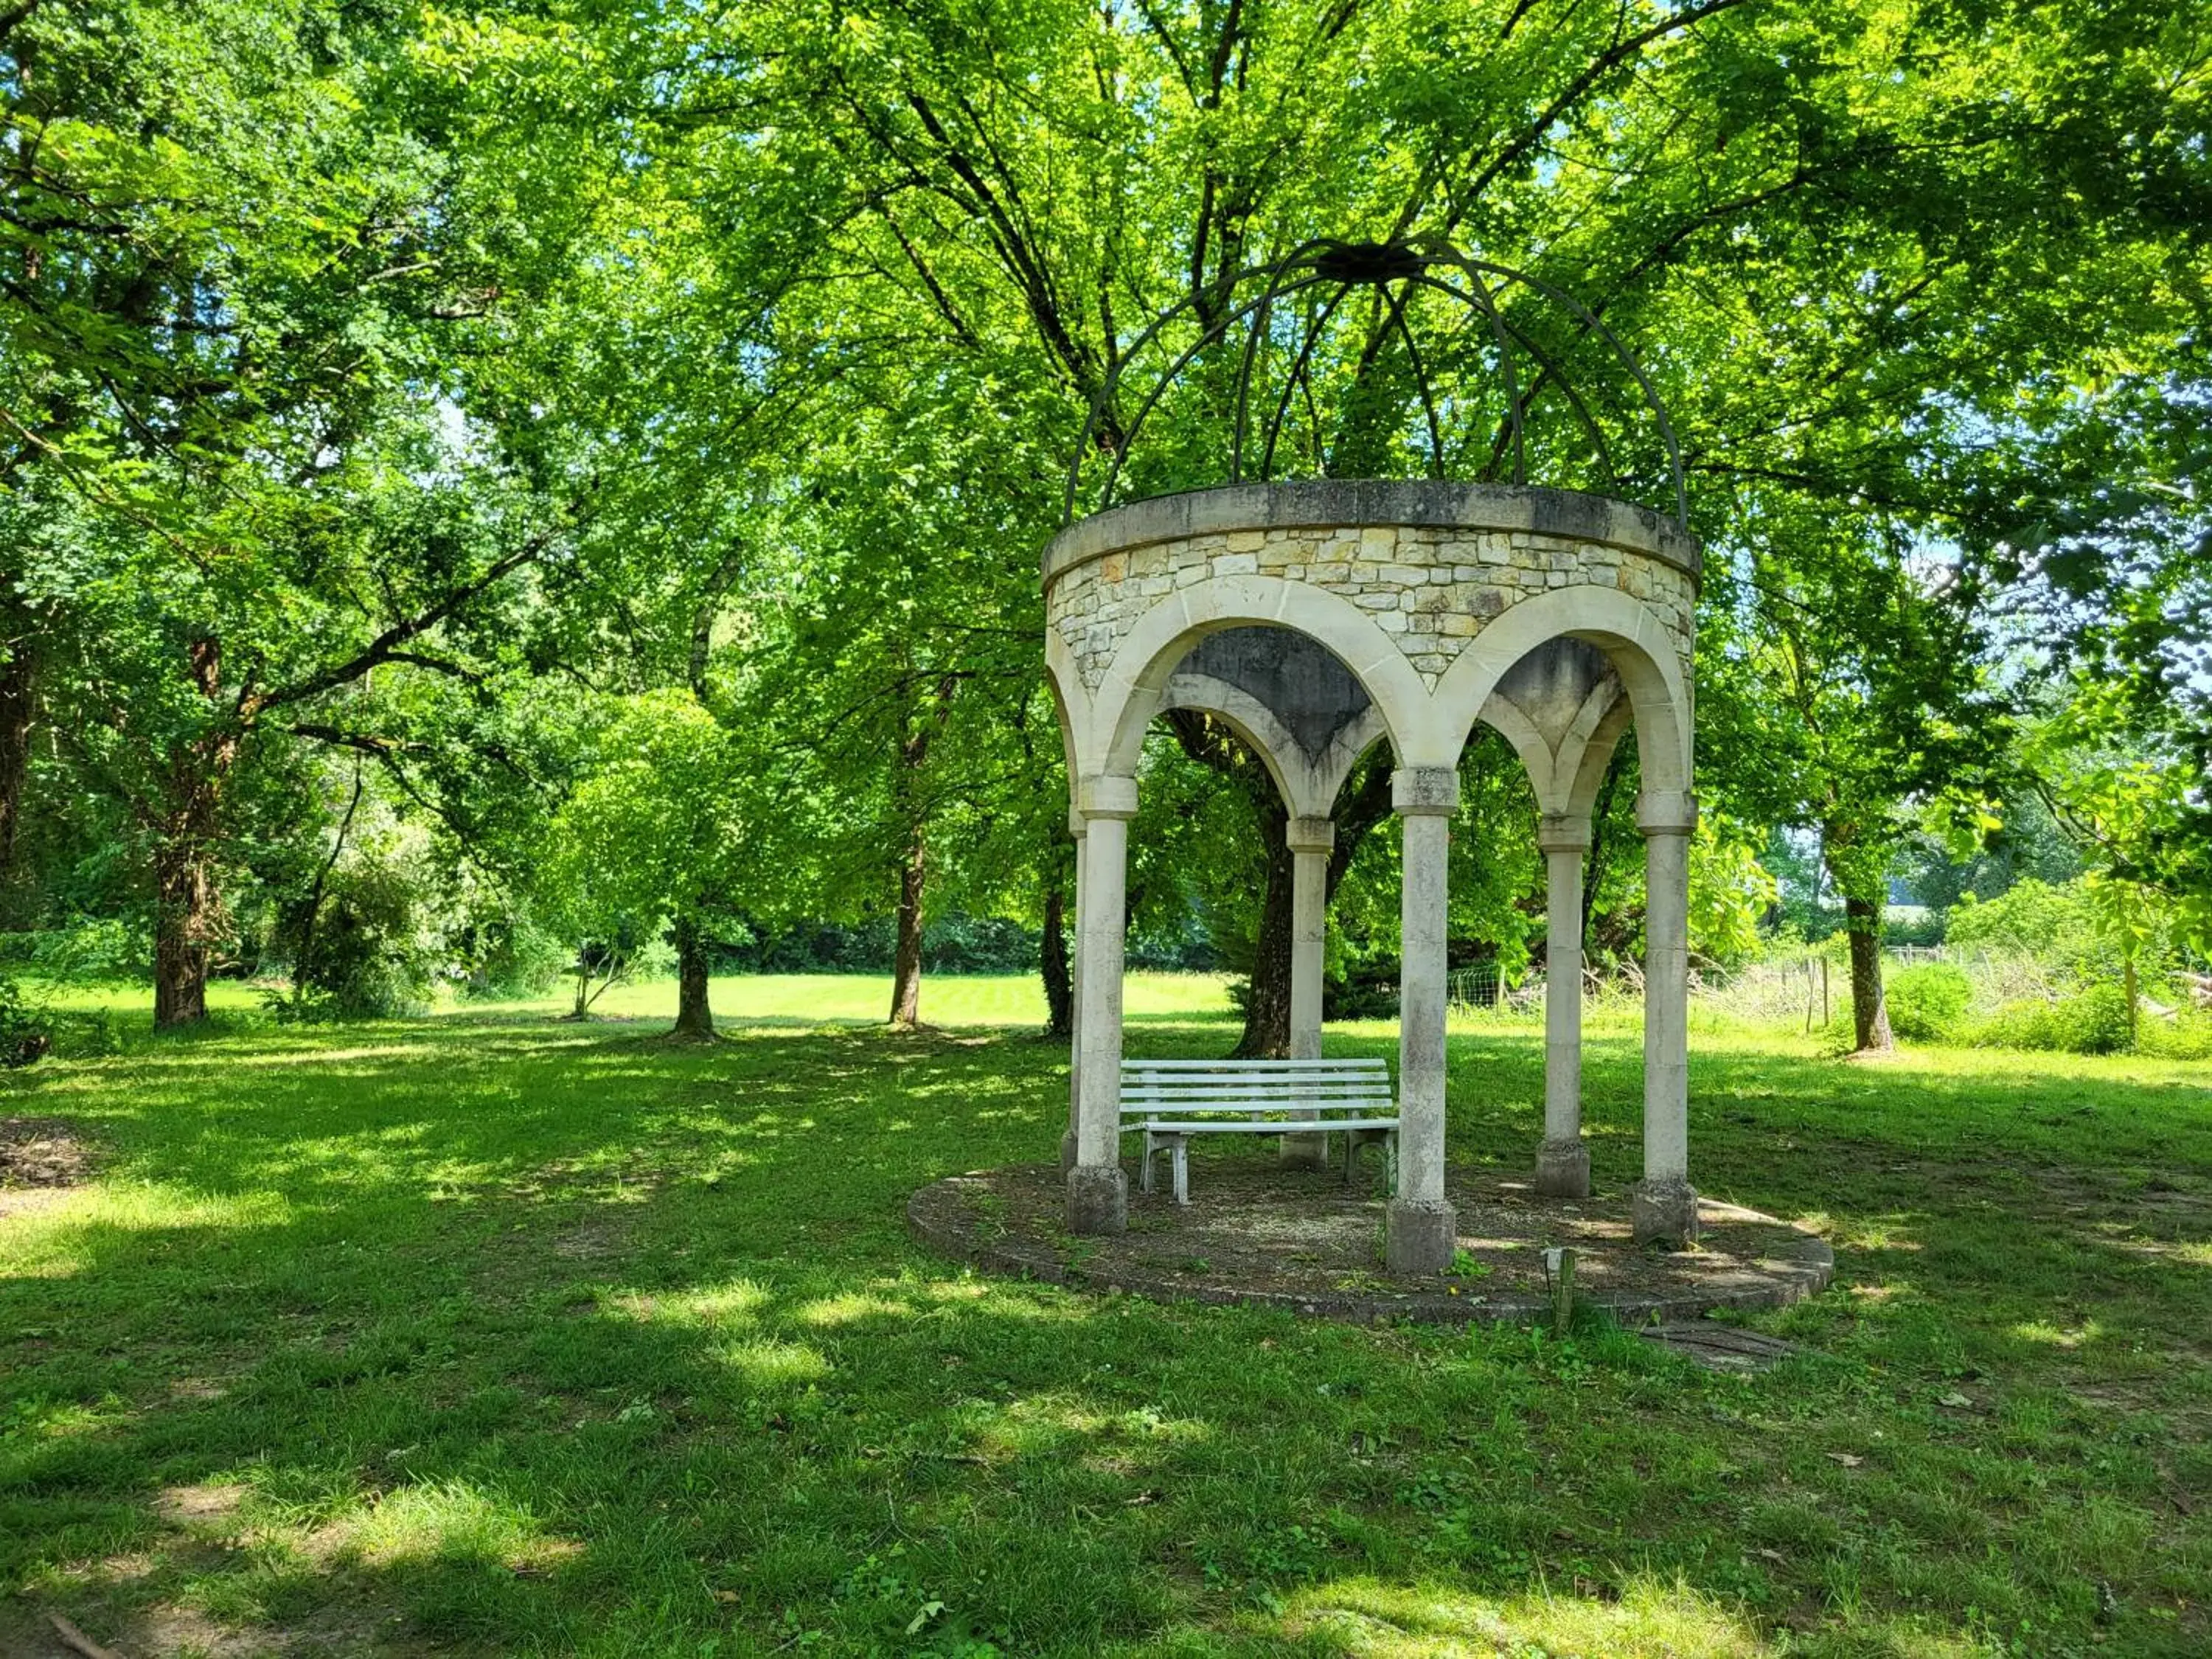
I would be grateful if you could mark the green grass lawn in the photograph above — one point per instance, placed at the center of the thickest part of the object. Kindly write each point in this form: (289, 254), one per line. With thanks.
(488, 1333)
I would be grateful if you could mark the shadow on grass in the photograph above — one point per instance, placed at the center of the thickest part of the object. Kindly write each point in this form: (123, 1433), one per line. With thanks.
(531, 1338)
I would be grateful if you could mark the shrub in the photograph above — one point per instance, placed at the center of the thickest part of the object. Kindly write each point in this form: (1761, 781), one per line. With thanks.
(1369, 992)
(2187, 1035)
(23, 1034)
(1928, 1002)
(367, 962)
(960, 943)
(2056, 925)
(97, 952)
(517, 958)
(1911, 924)
(2090, 1022)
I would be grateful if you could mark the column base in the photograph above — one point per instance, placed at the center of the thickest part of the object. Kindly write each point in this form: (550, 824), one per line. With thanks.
(1418, 1237)
(1067, 1152)
(1098, 1198)
(1664, 1213)
(1304, 1151)
(1563, 1169)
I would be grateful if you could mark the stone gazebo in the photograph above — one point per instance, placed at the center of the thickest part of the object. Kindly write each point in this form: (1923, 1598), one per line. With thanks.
(1318, 619)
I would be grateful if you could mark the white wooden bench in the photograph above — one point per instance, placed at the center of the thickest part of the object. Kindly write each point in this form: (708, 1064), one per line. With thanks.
(1168, 1100)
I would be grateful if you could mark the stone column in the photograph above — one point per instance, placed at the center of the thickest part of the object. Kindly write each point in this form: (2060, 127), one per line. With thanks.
(1310, 840)
(1420, 1231)
(1563, 1161)
(1076, 826)
(1097, 1190)
(1665, 1206)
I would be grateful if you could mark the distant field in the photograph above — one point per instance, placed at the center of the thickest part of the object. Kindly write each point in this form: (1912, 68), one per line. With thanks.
(1013, 999)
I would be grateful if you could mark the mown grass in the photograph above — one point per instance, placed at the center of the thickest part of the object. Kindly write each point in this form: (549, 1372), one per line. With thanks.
(488, 1333)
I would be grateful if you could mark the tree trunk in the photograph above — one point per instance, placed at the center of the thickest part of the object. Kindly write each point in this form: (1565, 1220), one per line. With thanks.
(694, 1019)
(188, 918)
(922, 727)
(303, 967)
(1594, 860)
(1268, 1009)
(1059, 983)
(186, 921)
(1869, 1013)
(19, 681)
(906, 958)
(1364, 803)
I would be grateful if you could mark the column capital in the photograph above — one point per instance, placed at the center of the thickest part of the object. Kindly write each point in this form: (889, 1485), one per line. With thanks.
(1424, 791)
(1559, 832)
(1103, 795)
(1310, 834)
(1077, 824)
(1667, 811)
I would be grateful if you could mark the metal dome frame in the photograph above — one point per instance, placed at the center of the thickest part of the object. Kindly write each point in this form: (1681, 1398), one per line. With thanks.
(1344, 266)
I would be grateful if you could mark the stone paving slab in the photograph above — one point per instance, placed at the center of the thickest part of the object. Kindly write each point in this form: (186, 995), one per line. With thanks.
(1260, 1236)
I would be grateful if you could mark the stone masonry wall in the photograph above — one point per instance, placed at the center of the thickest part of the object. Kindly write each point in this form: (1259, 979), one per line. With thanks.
(1432, 588)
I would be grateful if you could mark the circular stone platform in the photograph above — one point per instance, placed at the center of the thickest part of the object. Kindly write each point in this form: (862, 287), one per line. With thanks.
(1260, 1235)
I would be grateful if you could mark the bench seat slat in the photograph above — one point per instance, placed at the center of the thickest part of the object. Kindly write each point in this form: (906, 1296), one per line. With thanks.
(1228, 1080)
(1254, 1065)
(1326, 1115)
(1225, 1080)
(1252, 1127)
(1245, 1092)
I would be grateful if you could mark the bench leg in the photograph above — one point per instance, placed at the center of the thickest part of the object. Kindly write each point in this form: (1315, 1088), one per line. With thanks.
(1181, 1157)
(1357, 1141)
(1145, 1177)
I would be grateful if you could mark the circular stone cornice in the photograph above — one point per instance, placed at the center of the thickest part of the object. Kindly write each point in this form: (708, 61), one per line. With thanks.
(1357, 503)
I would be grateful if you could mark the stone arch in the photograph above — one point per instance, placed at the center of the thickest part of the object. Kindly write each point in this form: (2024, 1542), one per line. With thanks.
(1059, 678)
(1345, 751)
(1526, 741)
(1131, 693)
(1309, 784)
(1565, 761)
(1598, 733)
(1638, 645)
(1252, 721)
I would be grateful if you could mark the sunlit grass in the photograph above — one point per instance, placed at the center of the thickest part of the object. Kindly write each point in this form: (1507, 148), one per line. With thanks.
(487, 1333)
(1650, 1620)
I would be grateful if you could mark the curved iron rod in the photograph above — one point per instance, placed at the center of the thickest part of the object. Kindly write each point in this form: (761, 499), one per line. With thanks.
(1218, 331)
(1544, 361)
(1297, 369)
(1481, 298)
(1260, 319)
(1421, 380)
(1628, 361)
(1261, 316)
(1575, 398)
(1144, 337)
(1252, 347)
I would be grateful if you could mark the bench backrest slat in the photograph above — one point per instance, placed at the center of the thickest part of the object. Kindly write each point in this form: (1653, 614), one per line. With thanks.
(1247, 1089)
(1254, 1065)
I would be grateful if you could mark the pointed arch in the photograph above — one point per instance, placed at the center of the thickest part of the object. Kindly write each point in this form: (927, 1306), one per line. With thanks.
(1633, 639)
(1132, 692)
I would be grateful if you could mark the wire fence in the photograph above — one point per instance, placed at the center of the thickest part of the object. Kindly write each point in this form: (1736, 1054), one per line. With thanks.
(1809, 991)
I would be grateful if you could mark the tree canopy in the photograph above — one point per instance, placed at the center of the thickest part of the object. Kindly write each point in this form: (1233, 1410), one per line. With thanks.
(493, 401)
